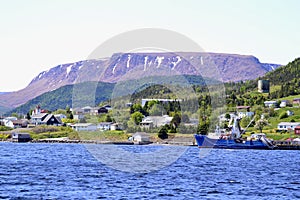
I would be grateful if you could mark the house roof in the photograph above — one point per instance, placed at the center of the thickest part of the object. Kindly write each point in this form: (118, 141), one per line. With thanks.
(21, 135)
(48, 117)
(243, 107)
(38, 116)
(105, 123)
(270, 102)
(142, 134)
(87, 107)
(82, 124)
(289, 124)
(19, 121)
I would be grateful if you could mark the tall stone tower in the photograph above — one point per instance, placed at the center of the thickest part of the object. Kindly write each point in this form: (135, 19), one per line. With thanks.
(263, 86)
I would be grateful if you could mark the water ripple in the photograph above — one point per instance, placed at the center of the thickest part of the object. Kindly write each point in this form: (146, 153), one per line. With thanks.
(69, 171)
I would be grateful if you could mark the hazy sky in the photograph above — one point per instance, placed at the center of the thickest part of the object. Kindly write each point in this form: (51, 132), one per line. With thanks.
(39, 34)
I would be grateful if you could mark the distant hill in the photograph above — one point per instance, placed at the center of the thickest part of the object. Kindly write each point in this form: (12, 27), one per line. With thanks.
(64, 96)
(285, 73)
(285, 80)
(131, 66)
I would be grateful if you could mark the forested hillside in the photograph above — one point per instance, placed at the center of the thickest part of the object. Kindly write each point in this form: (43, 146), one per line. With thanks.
(62, 97)
(285, 80)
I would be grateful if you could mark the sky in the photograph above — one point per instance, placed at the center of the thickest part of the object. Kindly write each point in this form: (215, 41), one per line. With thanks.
(37, 35)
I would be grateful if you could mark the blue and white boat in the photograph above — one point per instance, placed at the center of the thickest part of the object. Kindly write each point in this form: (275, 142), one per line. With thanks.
(233, 140)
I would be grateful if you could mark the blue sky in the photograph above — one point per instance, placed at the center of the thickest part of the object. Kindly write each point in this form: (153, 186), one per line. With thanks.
(37, 35)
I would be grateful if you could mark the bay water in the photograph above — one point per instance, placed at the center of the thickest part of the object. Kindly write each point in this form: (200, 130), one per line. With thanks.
(72, 171)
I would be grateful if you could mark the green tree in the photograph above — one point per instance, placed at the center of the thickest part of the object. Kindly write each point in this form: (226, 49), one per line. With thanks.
(15, 115)
(137, 117)
(227, 116)
(136, 108)
(283, 115)
(245, 121)
(260, 124)
(163, 133)
(108, 118)
(176, 120)
(203, 126)
(156, 110)
(28, 116)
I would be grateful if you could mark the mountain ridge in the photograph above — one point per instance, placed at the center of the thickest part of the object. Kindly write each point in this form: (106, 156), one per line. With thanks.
(126, 66)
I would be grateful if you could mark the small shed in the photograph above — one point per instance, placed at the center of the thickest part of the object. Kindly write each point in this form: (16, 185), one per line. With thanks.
(297, 130)
(296, 101)
(21, 137)
(141, 137)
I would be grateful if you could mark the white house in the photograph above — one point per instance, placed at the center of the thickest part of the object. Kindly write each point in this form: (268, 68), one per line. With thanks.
(87, 109)
(289, 113)
(245, 114)
(155, 121)
(11, 118)
(78, 116)
(283, 103)
(84, 127)
(104, 126)
(222, 117)
(270, 104)
(141, 137)
(61, 116)
(8, 123)
(287, 125)
(108, 126)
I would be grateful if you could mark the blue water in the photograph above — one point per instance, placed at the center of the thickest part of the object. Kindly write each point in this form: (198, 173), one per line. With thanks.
(70, 171)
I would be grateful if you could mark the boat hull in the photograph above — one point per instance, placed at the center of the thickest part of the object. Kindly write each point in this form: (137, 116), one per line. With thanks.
(206, 142)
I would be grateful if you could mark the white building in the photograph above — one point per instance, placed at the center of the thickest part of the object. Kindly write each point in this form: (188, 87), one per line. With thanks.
(84, 127)
(8, 123)
(61, 116)
(155, 121)
(287, 125)
(245, 114)
(104, 126)
(141, 137)
(108, 126)
(270, 104)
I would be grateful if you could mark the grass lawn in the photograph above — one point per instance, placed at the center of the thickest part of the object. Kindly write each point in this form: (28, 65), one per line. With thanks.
(273, 121)
(290, 98)
(103, 135)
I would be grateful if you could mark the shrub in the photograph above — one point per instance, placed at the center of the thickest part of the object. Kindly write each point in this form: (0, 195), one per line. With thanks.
(283, 115)
(5, 128)
(163, 133)
(43, 129)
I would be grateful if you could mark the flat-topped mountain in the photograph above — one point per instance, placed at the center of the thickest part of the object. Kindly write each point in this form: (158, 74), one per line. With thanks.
(127, 66)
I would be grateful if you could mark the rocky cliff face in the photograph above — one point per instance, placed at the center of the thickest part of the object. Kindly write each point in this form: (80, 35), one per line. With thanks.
(223, 67)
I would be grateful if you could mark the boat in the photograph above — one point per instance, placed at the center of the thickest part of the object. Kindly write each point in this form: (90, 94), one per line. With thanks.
(233, 139)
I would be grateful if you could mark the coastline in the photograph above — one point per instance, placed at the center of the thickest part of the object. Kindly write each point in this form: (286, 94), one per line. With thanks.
(71, 141)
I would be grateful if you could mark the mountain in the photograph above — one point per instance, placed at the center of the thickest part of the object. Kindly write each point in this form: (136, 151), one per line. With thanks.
(3, 93)
(129, 66)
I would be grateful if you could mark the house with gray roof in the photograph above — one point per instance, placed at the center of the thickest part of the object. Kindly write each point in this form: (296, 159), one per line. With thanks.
(45, 119)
